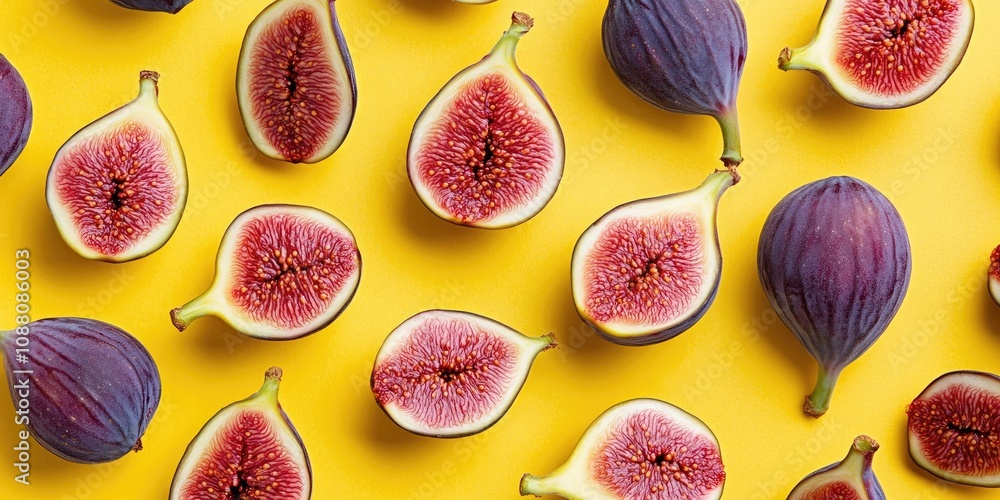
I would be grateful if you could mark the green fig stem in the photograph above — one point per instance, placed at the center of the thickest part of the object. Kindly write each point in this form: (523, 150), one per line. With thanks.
(732, 155)
(147, 84)
(859, 458)
(269, 391)
(800, 58)
(718, 183)
(182, 316)
(540, 486)
(519, 25)
(550, 341)
(818, 402)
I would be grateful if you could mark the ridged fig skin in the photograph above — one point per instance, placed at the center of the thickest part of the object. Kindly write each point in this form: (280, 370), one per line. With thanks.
(684, 56)
(15, 114)
(834, 261)
(169, 6)
(92, 391)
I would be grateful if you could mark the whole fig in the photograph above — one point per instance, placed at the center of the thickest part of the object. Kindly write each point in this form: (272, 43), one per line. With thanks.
(90, 387)
(834, 260)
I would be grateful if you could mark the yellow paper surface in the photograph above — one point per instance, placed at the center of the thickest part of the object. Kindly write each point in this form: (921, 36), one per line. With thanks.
(738, 369)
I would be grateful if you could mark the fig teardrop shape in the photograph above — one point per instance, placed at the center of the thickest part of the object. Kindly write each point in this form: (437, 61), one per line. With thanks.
(92, 387)
(295, 82)
(953, 425)
(117, 188)
(15, 114)
(249, 449)
(850, 478)
(684, 56)
(648, 270)
(283, 272)
(643, 449)
(487, 151)
(834, 261)
(887, 54)
(452, 373)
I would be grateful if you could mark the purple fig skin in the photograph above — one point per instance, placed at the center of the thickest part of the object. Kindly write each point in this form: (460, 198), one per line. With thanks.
(169, 6)
(345, 54)
(93, 388)
(684, 56)
(834, 261)
(15, 114)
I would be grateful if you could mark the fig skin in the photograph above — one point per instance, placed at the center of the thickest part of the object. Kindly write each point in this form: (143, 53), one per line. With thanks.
(956, 415)
(834, 261)
(265, 403)
(819, 58)
(93, 390)
(168, 6)
(15, 114)
(993, 275)
(855, 469)
(684, 56)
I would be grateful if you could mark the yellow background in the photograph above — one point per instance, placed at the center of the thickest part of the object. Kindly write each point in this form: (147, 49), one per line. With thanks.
(738, 369)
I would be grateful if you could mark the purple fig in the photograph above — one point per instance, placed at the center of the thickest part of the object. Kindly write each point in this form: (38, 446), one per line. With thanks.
(92, 387)
(850, 479)
(834, 260)
(684, 56)
(15, 114)
(168, 6)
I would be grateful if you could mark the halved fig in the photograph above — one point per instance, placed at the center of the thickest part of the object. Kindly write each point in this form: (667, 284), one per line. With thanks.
(637, 450)
(886, 54)
(117, 188)
(648, 270)
(249, 449)
(850, 479)
(283, 272)
(993, 275)
(954, 428)
(487, 151)
(169, 6)
(452, 373)
(15, 114)
(295, 82)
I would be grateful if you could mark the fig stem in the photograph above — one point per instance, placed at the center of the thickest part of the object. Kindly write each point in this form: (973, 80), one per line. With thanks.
(519, 25)
(269, 390)
(540, 486)
(859, 458)
(818, 402)
(718, 183)
(732, 155)
(182, 316)
(147, 84)
(800, 58)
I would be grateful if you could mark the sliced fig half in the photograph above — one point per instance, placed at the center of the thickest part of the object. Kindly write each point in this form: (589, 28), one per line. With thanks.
(168, 6)
(283, 272)
(249, 449)
(15, 114)
(850, 479)
(954, 428)
(452, 373)
(642, 449)
(487, 151)
(648, 270)
(886, 54)
(117, 188)
(993, 275)
(295, 82)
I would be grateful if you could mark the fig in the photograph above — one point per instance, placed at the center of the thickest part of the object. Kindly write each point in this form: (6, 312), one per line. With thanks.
(249, 449)
(117, 188)
(92, 387)
(487, 151)
(171, 6)
(648, 270)
(888, 53)
(295, 82)
(15, 114)
(850, 479)
(953, 428)
(282, 272)
(993, 275)
(684, 56)
(834, 261)
(636, 450)
(452, 373)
